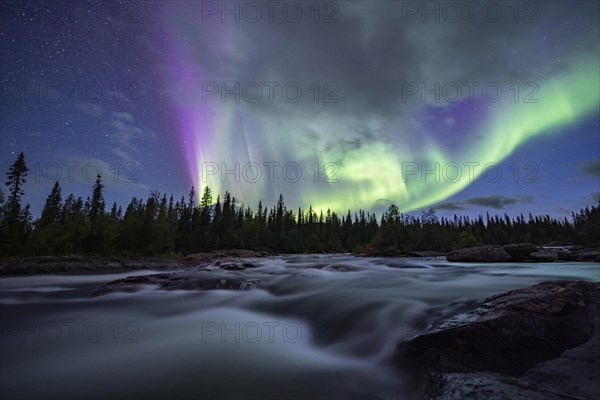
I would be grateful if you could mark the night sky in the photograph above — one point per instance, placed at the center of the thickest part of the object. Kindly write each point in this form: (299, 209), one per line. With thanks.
(336, 105)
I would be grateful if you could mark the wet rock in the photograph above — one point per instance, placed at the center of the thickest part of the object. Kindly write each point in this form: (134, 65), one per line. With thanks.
(90, 263)
(249, 284)
(587, 254)
(489, 386)
(426, 253)
(520, 251)
(200, 279)
(524, 252)
(232, 266)
(480, 254)
(576, 371)
(222, 255)
(565, 255)
(544, 255)
(537, 342)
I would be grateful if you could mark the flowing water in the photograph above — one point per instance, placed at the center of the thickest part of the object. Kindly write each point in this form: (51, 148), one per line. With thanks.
(318, 327)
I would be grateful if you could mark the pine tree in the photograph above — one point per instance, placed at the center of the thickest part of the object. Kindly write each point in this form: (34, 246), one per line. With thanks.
(15, 224)
(52, 207)
(1, 206)
(15, 179)
(98, 240)
(206, 201)
(97, 206)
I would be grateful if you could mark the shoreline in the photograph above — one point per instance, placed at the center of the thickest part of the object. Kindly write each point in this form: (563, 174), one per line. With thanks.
(75, 263)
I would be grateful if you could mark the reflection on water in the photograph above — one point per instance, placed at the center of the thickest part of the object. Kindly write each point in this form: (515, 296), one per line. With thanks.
(319, 327)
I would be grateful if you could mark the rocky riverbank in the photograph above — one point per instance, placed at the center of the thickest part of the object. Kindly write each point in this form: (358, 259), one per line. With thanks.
(541, 342)
(524, 252)
(517, 252)
(93, 263)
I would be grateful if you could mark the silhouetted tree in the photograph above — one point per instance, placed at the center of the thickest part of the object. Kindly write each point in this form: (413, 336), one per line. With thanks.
(15, 223)
(161, 226)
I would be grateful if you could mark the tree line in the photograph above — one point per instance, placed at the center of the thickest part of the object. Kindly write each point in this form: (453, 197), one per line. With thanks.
(161, 225)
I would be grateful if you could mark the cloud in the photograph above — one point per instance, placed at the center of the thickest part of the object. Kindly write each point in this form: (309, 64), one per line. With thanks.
(124, 116)
(81, 170)
(591, 168)
(92, 109)
(125, 133)
(450, 206)
(495, 201)
(498, 202)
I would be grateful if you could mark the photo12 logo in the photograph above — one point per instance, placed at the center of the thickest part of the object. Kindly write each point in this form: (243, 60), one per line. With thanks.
(454, 92)
(254, 92)
(268, 171)
(68, 92)
(451, 12)
(69, 332)
(75, 171)
(453, 172)
(274, 332)
(252, 12)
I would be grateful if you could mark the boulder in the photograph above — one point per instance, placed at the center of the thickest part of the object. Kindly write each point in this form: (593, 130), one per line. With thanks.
(588, 254)
(207, 278)
(425, 253)
(565, 255)
(545, 255)
(520, 251)
(480, 254)
(537, 342)
(489, 386)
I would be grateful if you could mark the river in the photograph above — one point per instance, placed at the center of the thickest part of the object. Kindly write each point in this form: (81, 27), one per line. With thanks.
(319, 327)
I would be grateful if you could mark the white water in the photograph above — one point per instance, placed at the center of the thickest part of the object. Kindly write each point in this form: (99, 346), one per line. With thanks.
(320, 327)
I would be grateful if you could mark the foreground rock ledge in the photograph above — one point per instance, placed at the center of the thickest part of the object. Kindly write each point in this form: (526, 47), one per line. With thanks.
(541, 342)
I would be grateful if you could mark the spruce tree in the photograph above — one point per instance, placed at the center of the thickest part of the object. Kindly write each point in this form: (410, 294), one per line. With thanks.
(15, 179)
(96, 205)
(15, 222)
(52, 207)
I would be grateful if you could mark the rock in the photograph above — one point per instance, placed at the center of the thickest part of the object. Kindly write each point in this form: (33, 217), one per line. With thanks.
(90, 263)
(479, 254)
(565, 255)
(537, 342)
(232, 255)
(577, 370)
(520, 251)
(199, 279)
(249, 284)
(587, 254)
(544, 255)
(489, 386)
(425, 253)
(232, 266)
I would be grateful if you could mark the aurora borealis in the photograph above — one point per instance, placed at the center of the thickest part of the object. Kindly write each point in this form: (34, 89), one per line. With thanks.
(341, 105)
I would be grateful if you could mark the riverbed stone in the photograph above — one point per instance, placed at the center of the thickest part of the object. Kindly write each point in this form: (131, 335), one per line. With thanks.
(480, 254)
